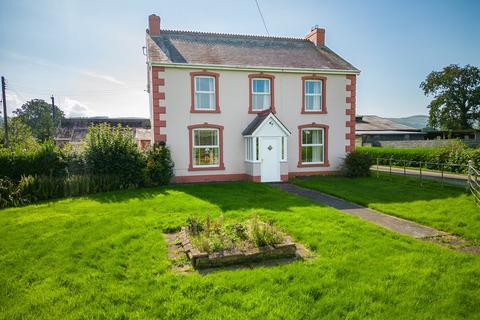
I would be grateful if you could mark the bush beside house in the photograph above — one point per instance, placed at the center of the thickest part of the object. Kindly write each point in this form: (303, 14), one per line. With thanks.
(357, 164)
(109, 160)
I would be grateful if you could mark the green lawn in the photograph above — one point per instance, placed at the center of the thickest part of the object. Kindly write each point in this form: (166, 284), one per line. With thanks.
(447, 208)
(104, 257)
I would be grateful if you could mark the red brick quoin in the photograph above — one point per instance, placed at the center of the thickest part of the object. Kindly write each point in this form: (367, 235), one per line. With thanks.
(158, 98)
(351, 100)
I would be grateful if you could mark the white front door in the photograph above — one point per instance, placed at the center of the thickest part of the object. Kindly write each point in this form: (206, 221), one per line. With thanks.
(270, 159)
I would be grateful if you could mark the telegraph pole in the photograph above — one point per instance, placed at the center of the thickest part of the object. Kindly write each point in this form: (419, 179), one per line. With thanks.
(53, 108)
(53, 116)
(4, 102)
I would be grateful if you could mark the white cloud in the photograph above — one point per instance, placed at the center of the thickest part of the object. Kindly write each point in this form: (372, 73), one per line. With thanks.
(46, 63)
(13, 102)
(93, 74)
(75, 108)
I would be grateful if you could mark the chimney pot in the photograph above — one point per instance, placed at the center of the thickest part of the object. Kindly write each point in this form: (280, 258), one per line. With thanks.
(153, 25)
(317, 36)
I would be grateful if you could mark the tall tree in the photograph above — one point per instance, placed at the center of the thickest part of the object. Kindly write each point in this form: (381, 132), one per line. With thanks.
(37, 114)
(456, 97)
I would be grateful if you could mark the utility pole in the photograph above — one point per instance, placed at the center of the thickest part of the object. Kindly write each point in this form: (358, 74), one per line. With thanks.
(53, 108)
(53, 116)
(4, 102)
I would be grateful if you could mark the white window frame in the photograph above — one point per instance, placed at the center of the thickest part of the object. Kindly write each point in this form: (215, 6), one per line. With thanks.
(283, 149)
(195, 91)
(252, 149)
(305, 95)
(322, 145)
(203, 147)
(262, 93)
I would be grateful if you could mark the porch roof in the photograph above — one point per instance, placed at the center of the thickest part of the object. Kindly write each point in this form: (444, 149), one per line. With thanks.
(257, 122)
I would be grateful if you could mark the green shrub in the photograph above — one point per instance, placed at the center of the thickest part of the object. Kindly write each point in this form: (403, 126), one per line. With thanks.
(9, 194)
(357, 164)
(263, 234)
(194, 225)
(113, 151)
(159, 164)
(47, 159)
(453, 157)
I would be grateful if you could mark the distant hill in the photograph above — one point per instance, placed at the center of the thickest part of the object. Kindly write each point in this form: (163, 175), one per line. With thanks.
(418, 121)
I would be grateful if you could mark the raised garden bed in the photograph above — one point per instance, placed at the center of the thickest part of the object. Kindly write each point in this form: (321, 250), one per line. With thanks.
(211, 243)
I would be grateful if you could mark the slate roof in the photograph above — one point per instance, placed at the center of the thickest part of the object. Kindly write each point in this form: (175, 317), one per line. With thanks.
(257, 121)
(241, 50)
(375, 123)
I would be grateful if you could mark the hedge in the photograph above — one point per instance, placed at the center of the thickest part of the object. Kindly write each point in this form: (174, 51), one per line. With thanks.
(447, 158)
(48, 159)
(35, 188)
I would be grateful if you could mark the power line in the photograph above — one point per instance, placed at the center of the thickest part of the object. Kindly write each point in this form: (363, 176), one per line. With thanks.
(261, 15)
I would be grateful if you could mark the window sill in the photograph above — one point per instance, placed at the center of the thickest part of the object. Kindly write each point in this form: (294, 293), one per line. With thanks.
(221, 167)
(250, 111)
(313, 112)
(311, 165)
(205, 111)
(253, 161)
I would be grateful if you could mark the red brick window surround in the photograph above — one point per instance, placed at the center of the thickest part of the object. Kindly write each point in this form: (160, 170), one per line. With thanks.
(205, 147)
(251, 104)
(313, 145)
(317, 94)
(210, 90)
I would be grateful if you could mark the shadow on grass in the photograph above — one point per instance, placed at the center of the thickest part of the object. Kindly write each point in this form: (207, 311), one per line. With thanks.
(244, 196)
(127, 195)
(225, 195)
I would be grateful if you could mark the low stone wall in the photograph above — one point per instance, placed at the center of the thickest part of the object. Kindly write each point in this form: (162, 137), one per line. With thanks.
(201, 260)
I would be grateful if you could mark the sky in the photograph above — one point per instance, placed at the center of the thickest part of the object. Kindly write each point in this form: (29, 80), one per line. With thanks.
(88, 54)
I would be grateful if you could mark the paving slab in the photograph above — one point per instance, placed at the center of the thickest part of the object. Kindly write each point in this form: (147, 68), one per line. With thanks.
(399, 225)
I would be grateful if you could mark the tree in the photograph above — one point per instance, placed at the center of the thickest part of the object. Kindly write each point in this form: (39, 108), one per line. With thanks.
(20, 135)
(456, 102)
(113, 151)
(37, 114)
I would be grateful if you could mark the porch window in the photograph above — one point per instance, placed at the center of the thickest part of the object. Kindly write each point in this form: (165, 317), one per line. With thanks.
(205, 93)
(206, 148)
(283, 155)
(312, 145)
(313, 95)
(261, 94)
(251, 149)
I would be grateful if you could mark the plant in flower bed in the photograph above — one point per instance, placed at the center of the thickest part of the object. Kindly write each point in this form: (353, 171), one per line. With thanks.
(213, 235)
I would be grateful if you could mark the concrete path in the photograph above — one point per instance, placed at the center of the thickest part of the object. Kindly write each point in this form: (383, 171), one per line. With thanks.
(450, 178)
(399, 225)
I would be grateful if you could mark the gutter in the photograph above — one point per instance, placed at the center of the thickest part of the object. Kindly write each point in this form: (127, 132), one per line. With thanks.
(251, 68)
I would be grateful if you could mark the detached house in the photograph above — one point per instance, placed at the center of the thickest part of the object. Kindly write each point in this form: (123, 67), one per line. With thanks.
(238, 107)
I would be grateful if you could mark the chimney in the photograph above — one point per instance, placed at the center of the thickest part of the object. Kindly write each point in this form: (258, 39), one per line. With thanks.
(317, 36)
(153, 25)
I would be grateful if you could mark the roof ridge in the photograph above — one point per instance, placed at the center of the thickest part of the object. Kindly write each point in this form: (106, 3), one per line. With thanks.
(223, 34)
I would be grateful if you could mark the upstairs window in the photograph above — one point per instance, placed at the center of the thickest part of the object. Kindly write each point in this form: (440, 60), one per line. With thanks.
(314, 91)
(313, 95)
(205, 93)
(261, 93)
